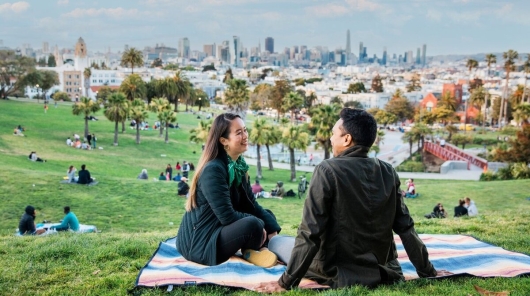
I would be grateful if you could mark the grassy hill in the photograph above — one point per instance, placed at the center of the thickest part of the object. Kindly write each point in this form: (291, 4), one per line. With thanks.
(134, 216)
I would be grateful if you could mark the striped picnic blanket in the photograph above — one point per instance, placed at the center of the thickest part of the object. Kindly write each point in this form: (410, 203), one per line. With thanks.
(459, 254)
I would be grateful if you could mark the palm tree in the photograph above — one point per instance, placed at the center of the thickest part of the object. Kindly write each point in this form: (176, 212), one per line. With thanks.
(291, 102)
(181, 88)
(478, 97)
(168, 116)
(490, 59)
(409, 137)
(257, 136)
(138, 112)
(86, 74)
(294, 137)
(85, 106)
(509, 64)
(237, 96)
(272, 137)
(451, 129)
(200, 134)
(522, 114)
(158, 105)
(448, 101)
(324, 117)
(116, 110)
(132, 57)
(133, 87)
(421, 130)
(471, 63)
(526, 71)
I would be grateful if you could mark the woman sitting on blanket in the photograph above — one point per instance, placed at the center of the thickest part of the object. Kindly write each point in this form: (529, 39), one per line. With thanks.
(222, 215)
(71, 174)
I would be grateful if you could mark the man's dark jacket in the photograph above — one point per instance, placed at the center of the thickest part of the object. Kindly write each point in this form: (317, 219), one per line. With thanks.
(183, 188)
(27, 224)
(345, 238)
(217, 206)
(84, 177)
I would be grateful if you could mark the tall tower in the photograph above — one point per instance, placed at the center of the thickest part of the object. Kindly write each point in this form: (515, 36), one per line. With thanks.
(45, 47)
(80, 48)
(237, 51)
(383, 60)
(361, 52)
(424, 55)
(184, 47)
(269, 44)
(348, 42)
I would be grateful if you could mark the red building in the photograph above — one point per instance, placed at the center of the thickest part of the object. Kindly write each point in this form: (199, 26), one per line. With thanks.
(455, 90)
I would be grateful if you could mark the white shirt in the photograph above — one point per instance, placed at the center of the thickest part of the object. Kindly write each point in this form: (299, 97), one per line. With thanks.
(76, 136)
(68, 142)
(442, 142)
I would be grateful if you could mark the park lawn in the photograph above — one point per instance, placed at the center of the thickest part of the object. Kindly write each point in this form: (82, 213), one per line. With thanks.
(134, 216)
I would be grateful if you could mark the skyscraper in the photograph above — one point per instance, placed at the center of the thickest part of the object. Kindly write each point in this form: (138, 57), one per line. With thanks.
(45, 47)
(209, 49)
(361, 52)
(269, 44)
(424, 55)
(383, 60)
(237, 52)
(348, 43)
(418, 57)
(184, 47)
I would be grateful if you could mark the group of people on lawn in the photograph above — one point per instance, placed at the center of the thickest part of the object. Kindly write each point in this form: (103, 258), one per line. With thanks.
(83, 176)
(89, 142)
(466, 207)
(27, 225)
(183, 187)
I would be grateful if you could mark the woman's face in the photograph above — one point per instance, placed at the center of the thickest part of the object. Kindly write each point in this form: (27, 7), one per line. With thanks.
(237, 142)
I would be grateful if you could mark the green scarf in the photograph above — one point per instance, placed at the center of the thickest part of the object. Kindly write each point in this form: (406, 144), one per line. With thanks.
(236, 170)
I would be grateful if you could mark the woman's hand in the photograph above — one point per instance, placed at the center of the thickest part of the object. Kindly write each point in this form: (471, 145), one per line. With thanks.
(272, 235)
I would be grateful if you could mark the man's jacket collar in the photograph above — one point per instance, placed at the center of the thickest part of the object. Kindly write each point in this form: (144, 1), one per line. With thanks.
(355, 151)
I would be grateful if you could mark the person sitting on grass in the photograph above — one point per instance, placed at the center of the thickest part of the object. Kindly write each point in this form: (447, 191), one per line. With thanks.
(460, 210)
(26, 226)
(257, 189)
(69, 142)
(177, 177)
(279, 191)
(84, 176)
(162, 177)
(17, 132)
(85, 146)
(71, 174)
(222, 215)
(143, 175)
(69, 221)
(472, 210)
(437, 212)
(33, 157)
(183, 187)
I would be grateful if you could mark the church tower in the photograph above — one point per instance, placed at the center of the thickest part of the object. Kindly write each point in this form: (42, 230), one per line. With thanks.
(81, 59)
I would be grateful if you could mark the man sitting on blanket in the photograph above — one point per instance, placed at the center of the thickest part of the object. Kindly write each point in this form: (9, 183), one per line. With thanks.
(353, 205)
(69, 221)
(27, 223)
(84, 176)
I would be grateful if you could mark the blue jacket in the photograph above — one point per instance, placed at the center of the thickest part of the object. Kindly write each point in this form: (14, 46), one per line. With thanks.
(70, 222)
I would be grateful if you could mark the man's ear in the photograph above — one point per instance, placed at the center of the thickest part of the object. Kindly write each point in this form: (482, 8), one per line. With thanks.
(348, 140)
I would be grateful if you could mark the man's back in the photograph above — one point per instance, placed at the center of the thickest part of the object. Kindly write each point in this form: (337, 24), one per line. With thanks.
(84, 177)
(353, 205)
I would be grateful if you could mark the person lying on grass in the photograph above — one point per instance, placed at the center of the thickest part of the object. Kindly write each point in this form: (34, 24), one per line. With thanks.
(222, 215)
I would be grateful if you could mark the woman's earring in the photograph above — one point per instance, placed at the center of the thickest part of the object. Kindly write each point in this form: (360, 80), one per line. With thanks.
(227, 148)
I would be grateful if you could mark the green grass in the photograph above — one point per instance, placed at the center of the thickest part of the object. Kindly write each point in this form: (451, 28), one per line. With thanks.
(134, 216)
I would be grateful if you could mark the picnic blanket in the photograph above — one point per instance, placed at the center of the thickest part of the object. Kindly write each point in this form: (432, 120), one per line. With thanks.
(74, 183)
(459, 254)
(83, 228)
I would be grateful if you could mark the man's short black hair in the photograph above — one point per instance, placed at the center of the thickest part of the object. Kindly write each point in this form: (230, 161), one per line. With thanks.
(360, 124)
(66, 209)
(83, 166)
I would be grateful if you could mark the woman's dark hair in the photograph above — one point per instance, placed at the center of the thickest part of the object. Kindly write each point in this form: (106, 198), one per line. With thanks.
(461, 202)
(360, 124)
(220, 128)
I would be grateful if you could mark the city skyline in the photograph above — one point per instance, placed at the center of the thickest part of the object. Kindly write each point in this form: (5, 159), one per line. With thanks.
(455, 27)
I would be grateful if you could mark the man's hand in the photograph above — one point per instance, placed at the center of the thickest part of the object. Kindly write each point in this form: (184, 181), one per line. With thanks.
(270, 287)
(443, 272)
(272, 235)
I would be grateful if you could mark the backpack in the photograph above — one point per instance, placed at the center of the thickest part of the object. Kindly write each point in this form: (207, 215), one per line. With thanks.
(290, 193)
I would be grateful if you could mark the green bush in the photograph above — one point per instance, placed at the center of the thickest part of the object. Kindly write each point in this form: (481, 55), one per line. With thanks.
(509, 130)
(488, 176)
(61, 96)
(411, 166)
(505, 173)
(482, 141)
(520, 171)
(417, 158)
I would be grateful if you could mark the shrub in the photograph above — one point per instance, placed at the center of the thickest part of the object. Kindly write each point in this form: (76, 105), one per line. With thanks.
(520, 171)
(411, 166)
(61, 96)
(487, 142)
(505, 173)
(488, 176)
(509, 130)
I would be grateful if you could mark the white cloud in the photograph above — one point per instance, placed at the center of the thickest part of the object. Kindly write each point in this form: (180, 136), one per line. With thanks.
(63, 2)
(327, 10)
(363, 5)
(14, 7)
(434, 15)
(117, 12)
(227, 2)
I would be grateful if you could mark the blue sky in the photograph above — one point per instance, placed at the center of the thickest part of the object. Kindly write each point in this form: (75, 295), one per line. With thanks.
(446, 26)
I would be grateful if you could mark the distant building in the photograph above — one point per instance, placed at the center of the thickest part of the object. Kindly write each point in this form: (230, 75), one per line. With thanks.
(455, 90)
(236, 57)
(209, 49)
(348, 42)
(184, 48)
(269, 44)
(424, 55)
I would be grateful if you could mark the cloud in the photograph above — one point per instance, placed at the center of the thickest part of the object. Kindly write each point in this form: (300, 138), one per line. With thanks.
(434, 15)
(63, 2)
(228, 2)
(14, 7)
(327, 10)
(118, 12)
(363, 5)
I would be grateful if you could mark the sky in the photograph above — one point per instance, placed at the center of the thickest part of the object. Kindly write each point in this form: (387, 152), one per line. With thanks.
(446, 26)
